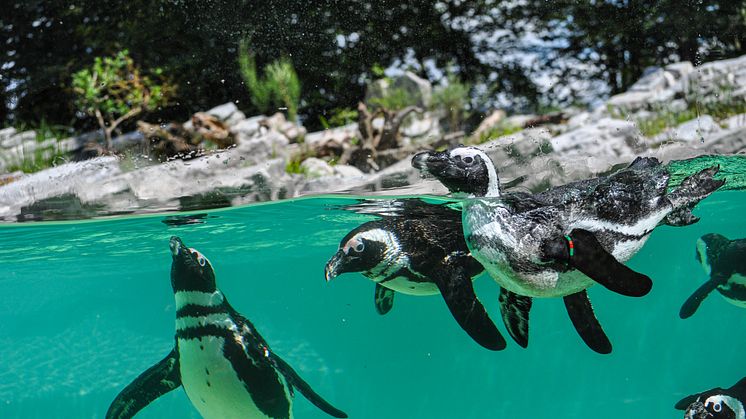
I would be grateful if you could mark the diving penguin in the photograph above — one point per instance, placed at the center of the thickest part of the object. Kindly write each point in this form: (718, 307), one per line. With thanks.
(225, 366)
(725, 262)
(717, 403)
(559, 242)
(418, 249)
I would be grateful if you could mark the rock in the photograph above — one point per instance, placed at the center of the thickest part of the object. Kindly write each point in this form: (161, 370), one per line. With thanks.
(19, 139)
(212, 129)
(420, 128)
(578, 120)
(257, 150)
(6, 133)
(224, 111)
(315, 168)
(490, 121)
(657, 85)
(81, 179)
(736, 121)
(7, 178)
(332, 141)
(729, 141)
(723, 80)
(235, 118)
(416, 88)
(695, 130)
(347, 171)
(247, 128)
(291, 130)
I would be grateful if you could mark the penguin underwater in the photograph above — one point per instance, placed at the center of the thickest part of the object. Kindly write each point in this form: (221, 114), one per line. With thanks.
(559, 242)
(225, 366)
(417, 248)
(716, 403)
(725, 262)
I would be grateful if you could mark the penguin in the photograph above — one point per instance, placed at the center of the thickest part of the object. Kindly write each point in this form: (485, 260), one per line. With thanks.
(725, 262)
(225, 366)
(417, 249)
(717, 403)
(559, 242)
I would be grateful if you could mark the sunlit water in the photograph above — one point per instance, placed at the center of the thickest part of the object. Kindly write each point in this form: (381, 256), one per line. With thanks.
(87, 306)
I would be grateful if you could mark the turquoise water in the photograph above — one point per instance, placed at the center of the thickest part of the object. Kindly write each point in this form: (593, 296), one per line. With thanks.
(87, 306)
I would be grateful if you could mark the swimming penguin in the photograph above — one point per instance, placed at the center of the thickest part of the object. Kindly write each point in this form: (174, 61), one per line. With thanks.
(725, 262)
(559, 242)
(418, 251)
(225, 366)
(717, 403)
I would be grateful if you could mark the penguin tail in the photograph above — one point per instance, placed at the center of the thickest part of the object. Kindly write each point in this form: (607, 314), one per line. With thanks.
(692, 190)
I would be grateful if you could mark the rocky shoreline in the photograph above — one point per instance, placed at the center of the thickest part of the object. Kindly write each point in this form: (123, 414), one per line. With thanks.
(251, 157)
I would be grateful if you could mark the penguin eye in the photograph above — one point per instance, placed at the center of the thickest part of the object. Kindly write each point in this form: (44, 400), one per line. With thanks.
(201, 260)
(468, 160)
(716, 407)
(359, 247)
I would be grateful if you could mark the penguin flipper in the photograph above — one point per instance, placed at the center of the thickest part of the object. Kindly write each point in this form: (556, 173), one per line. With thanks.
(692, 303)
(581, 314)
(305, 389)
(594, 261)
(148, 386)
(384, 299)
(456, 288)
(515, 310)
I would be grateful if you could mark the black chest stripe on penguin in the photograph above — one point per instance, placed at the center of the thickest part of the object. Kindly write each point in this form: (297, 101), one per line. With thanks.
(225, 366)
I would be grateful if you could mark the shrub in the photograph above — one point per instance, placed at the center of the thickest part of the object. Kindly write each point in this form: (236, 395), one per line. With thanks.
(280, 85)
(453, 99)
(114, 90)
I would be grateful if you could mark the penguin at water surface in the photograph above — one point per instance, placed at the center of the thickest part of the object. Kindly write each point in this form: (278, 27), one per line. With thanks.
(561, 241)
(417, 248)
(225, 366)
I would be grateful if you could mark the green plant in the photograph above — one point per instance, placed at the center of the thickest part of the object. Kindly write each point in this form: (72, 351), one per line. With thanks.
(114, 90)
(395, 98)
(340, 117)
(42, 157)
(500, 130)
(453, 98)
(280, 85)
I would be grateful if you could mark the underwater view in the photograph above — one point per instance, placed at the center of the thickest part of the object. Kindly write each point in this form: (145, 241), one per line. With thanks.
(88, 306)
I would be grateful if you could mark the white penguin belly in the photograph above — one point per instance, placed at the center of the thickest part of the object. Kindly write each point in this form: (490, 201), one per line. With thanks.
(211, 383)
(544, 284)
(736, 279)
(405, 286)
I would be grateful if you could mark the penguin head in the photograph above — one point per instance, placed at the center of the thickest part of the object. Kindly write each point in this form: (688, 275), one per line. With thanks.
(462, 170)
(190, 270)
(709, 247)
(361, 250)
(717, 406)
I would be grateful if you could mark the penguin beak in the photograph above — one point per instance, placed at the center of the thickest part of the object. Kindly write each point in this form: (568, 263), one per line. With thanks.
(177, 246)
(696, 410)
(431, 162)
(334, 266)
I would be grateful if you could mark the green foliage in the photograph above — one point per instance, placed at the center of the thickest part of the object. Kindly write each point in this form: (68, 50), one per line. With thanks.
(280, 85)
(394, 98)
(453, 98)
(114, 90)
(500, 130)
(664, 120)
(294, 167)
(723, 105)
(42, 157)
(340, 117)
